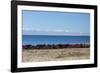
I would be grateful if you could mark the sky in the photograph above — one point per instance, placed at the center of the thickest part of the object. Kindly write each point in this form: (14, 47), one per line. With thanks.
(55, 23)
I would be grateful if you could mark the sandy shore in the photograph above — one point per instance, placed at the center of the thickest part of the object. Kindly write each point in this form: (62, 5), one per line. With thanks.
(38, 55)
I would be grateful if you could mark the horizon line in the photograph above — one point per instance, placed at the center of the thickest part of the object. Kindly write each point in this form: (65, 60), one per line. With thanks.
(55, 35)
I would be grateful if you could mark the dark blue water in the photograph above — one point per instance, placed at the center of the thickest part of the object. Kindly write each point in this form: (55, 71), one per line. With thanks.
(44, 39)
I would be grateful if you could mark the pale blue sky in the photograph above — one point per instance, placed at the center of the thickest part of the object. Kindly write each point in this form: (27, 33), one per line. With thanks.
(55, 23)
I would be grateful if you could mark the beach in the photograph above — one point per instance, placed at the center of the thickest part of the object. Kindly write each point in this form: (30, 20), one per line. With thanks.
(40, 55)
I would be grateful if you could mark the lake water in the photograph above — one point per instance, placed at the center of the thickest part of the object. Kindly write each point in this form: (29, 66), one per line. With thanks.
(46, 39)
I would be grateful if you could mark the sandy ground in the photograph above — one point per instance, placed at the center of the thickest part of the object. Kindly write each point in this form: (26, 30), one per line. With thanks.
(38, 55)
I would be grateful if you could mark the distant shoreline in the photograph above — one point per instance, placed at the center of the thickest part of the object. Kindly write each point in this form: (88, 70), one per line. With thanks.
(55, 46)
(55, 35)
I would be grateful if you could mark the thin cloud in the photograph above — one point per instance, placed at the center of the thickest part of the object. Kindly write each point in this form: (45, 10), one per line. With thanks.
(61, 30)
(39, 30)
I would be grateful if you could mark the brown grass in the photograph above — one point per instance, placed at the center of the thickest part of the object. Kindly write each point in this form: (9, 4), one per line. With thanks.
(38, 55)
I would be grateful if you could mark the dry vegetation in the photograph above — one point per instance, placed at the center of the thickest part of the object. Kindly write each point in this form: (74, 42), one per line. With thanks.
(38, 55)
